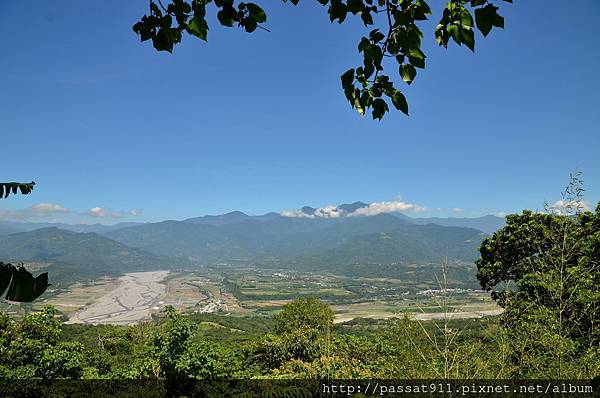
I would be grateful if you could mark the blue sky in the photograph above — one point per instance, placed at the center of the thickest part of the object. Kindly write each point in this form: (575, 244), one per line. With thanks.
(258, 122)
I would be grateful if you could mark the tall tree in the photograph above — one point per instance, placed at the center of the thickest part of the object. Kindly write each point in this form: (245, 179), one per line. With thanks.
(545, 270)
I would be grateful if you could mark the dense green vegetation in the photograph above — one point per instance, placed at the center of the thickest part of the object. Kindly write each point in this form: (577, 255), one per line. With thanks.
(552, 260)
(300, 342)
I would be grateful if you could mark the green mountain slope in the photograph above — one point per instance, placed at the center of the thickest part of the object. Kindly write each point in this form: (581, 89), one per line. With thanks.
(307, 243)
(87, 254)
(488, 224)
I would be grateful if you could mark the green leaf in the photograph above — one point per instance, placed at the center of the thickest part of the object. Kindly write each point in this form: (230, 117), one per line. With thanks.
(376, 36)
(367, 18)
(154, 9)
(21, 285)
(355, 6)
(166, 21)
(337, 10)
(417, 58)
(465, 18)
(408, 73)
(359, 107)
(441, 35)
(348, 78)
(399, 101)
(477, 3)
(227, 15)
(487, 17)
(166, 38)
(380, 107)
(467, 36)
(256, 13)
(198, 27)
(250, 25)
(454, 32)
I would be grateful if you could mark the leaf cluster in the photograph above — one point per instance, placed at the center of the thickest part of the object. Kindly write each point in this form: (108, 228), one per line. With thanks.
(165, 25)
(394, 35)
(19, 284)
(6, 188)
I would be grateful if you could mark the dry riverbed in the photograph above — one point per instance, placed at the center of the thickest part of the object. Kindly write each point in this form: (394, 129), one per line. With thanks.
(133, 300)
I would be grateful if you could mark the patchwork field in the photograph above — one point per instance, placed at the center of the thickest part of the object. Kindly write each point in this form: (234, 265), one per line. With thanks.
(136, 296)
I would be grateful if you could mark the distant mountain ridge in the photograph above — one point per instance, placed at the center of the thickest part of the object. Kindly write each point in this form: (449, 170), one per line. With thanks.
(79, 255)
(488, 224)
(324, 239)
(298, 240)
(11, 227)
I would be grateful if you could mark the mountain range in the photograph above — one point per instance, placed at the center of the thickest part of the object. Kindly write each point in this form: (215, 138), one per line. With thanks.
(11, 227)
(337, 239)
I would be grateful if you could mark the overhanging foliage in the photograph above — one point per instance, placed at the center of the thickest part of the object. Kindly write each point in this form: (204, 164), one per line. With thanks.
(394, 35)
(6, 188)
(19, 284)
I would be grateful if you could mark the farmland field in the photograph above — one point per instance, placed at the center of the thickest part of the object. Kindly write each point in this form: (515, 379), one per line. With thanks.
(246, 291)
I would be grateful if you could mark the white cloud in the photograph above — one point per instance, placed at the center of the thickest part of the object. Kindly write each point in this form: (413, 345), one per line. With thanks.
(44, 209)
(331, 211)
(97, 212)
(564, 207)
(501, 214)
(102, 212)
(387, 207)
(458, 210)
(52, 212)
(296, 213)
(40, 210)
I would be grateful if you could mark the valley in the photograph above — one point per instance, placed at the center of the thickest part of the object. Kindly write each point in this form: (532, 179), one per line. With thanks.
(364, 265)
(135, 297)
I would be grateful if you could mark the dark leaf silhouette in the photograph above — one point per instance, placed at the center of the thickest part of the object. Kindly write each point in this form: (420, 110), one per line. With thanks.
(6, 188)
(21, 285)
(394, 38)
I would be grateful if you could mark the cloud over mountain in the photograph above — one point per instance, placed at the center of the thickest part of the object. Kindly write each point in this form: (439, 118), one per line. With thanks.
(387, 207)
(565, 207)
(354, 209)
(40, 210)
(102, 212)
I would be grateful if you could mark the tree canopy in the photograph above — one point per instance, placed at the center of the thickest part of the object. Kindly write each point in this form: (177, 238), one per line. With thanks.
(393, 40)
(545, 270)
(305, 313)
